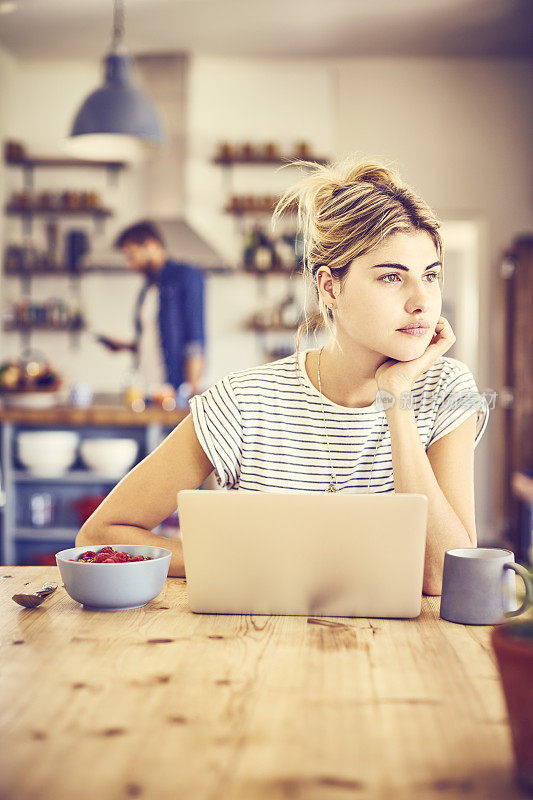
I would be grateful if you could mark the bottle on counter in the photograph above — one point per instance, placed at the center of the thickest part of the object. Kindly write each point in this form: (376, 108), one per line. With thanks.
(81, 394)
(134, 390)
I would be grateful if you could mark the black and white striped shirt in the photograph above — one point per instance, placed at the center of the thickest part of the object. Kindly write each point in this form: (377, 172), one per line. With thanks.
(263, 428)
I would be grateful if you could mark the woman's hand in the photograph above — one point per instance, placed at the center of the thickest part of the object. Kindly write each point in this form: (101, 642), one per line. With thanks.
(399, 376)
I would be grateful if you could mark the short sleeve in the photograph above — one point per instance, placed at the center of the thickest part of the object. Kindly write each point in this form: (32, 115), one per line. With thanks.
(217, 422)
(457, 399)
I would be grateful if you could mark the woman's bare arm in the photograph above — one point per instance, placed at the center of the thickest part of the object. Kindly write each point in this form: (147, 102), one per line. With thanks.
(147, 495)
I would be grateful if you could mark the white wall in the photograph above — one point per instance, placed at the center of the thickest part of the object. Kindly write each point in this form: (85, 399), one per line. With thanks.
(239, 100)
(461, 133)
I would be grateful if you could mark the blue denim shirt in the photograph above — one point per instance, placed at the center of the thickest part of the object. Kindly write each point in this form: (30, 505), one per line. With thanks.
(181, 316)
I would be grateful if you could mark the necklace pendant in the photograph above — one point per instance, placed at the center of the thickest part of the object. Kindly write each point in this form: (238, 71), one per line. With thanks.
(332, 487)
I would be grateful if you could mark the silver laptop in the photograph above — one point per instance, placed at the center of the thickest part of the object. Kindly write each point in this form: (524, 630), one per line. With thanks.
(318, 554)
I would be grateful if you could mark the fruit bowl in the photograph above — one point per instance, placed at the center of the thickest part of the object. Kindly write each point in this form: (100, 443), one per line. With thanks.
(114, 587)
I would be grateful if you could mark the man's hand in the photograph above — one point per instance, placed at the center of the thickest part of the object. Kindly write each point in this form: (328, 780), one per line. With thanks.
(115, 345)
(194, 369)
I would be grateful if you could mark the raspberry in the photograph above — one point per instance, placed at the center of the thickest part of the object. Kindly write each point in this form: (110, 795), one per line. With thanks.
(88, 555)
(108, 555)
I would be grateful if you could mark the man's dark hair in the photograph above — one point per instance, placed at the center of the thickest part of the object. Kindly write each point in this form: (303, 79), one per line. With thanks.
(139, 234)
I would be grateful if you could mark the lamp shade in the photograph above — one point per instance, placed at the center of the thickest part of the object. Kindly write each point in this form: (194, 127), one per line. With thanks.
(117, 107)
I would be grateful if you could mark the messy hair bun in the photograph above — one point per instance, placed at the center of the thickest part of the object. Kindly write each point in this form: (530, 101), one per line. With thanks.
(346, 209)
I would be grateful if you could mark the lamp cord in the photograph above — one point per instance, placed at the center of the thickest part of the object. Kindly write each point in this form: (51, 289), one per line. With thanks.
(118, 24)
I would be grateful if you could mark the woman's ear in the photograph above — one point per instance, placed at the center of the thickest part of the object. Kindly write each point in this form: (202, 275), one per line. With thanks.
(325, 283)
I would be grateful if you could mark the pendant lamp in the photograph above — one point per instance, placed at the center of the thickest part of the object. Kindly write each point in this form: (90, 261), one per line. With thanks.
(116, 120)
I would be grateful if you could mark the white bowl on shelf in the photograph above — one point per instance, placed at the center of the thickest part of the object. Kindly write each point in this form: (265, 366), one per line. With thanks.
(48, 439)
(47, 453)
(37, 400)
(110, 457)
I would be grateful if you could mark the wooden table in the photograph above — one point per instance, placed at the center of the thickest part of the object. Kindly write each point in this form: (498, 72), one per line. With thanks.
(162, 703)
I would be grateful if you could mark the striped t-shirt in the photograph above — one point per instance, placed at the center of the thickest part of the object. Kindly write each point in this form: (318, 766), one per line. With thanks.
(263, 428)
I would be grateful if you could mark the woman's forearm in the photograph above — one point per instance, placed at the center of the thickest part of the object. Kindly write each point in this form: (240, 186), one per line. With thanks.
(130, 534)
(413, 473)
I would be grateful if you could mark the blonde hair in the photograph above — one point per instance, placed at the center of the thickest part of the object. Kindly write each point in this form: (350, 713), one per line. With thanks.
(345, 209)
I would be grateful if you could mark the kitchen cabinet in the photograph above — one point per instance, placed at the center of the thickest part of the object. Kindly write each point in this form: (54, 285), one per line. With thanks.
(25, 542)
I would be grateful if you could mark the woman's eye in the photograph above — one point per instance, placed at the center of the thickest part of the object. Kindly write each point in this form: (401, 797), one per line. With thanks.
(383, 278)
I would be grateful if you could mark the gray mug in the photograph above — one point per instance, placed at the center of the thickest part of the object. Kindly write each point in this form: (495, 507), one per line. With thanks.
(479, 586)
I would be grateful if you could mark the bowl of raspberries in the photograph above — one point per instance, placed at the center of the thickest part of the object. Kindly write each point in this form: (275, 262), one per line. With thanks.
(114, 578)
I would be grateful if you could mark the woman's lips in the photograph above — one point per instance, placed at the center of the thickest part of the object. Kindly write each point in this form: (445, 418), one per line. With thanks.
(414, 331)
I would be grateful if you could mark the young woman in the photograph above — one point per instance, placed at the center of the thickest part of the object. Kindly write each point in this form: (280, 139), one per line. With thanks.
(379, 408)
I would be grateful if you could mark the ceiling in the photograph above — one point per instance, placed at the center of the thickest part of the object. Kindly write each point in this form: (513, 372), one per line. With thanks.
(273, 28)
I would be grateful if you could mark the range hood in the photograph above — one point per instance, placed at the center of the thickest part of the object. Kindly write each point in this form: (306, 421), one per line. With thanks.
(185, 244)
(164, 78)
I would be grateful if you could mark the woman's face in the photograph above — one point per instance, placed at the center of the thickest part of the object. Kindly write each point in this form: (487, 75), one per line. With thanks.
(376, 302)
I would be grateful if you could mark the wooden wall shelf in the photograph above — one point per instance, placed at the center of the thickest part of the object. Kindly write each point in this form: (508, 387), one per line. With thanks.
(259, 160)
(31, 212)
(17, 327)
(41, 161)
(254, 326)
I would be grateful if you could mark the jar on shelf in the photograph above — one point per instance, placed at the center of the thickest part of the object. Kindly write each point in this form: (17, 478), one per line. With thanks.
(247, 151)
(225, 151)
(271, 150)
(14, 151)
(302, 150)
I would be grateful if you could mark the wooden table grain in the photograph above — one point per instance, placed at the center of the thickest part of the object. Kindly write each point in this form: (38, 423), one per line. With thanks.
(159, 702)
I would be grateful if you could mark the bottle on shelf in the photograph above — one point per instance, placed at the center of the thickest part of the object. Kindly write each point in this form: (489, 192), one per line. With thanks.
(251, 242)
(258, 255)
(263, 256)
(285, 253)
(52, 235)
(55, 314)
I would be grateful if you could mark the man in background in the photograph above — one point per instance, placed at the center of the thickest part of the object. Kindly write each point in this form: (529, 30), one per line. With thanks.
(169, 313)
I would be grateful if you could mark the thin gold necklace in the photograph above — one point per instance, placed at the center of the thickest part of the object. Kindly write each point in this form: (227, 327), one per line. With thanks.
(333, 482)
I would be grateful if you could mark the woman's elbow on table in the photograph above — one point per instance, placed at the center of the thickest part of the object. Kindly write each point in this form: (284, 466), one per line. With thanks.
(86, 535)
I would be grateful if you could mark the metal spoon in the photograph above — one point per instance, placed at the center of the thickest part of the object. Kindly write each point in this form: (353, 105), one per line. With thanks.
(35, 599)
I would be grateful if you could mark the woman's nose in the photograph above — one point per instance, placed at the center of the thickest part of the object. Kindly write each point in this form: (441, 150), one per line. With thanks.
(419, 299)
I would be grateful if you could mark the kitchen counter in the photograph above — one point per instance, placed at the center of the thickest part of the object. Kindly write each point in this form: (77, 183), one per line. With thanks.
(162, 703)
(96, 414)
(21, 542)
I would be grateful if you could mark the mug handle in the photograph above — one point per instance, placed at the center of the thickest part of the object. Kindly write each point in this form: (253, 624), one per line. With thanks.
(524, 574)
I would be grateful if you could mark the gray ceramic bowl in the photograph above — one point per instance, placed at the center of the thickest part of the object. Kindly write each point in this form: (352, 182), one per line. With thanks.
(114, 587)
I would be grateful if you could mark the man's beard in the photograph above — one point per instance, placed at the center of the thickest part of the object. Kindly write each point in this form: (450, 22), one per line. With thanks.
(150, 271)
